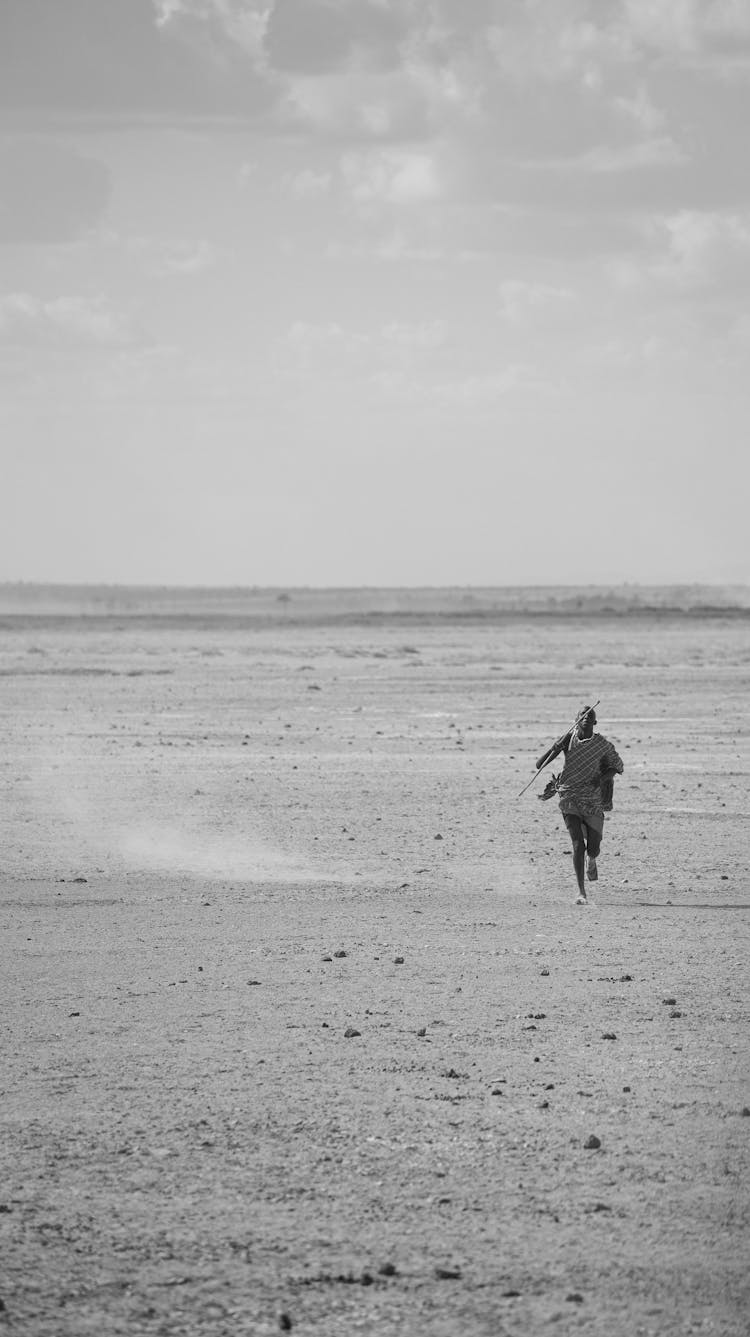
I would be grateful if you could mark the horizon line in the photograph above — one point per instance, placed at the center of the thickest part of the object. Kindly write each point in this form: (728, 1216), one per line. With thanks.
(365, 587)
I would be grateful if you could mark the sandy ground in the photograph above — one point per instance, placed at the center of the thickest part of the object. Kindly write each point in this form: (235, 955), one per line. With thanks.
(301, 1025)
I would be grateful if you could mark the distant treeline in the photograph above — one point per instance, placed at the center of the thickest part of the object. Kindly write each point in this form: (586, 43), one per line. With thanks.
(300, 606)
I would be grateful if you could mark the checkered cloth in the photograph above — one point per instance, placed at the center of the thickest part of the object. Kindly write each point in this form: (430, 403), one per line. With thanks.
(585, 760)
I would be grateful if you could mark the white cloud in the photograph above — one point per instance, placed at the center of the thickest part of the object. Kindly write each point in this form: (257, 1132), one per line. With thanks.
(423, 89)
(640, 110)
(245, 24)
(395, 246)
(661, 152)
(422, 365)
(26, 320)
(550, 42)
(249, 27)
(450, 91)
(686, 26)
(518, 297)
(391, 176)
(306, 183)
(320, 351)
(166, 10)
(392, 247)
(189, 257)
(376, 119)
(356, 104)
(707, 248)
(427, 335)
(700, 254)
(669, 25)
(389, 357)
(179, 257)
(482, 391)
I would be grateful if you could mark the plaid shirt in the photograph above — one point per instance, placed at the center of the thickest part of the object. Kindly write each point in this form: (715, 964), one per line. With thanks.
(585, 760)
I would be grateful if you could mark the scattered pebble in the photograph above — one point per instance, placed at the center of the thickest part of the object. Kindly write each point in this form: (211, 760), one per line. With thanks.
(574, 1298)
(438, 836)
(592, 1143)
(79, 879)
(675, 1014)
(388, 1270)
(422, 1031)
(339, 955)
(669, 1002)
(609, 1035)
(448, 1273)
(744, 1113)
(544, 972)
(285, 1323)
(327, 958)
(350, 1033)
(398, 960)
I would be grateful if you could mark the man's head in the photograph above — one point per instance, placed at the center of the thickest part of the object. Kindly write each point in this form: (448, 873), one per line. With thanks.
(586, 721)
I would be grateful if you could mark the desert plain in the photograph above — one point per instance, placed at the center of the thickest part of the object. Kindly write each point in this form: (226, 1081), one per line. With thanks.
(302, 1028)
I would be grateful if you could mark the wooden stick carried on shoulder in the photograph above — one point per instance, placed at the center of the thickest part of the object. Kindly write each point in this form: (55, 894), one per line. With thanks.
(558, 746)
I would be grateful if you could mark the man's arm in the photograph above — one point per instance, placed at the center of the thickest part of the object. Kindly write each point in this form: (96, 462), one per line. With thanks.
(611, 763)
(561, 745)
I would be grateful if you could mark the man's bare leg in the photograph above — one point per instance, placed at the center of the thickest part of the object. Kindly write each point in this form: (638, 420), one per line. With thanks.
(577, 832)
(593, 845)
(579, 859)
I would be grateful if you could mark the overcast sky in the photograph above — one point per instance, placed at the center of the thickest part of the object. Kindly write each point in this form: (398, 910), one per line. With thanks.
(374, 291)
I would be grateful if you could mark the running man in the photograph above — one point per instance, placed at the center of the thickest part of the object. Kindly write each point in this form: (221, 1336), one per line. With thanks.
(584, 789)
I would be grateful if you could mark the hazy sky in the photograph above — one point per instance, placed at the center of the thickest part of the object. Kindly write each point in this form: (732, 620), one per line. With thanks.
(374, 291)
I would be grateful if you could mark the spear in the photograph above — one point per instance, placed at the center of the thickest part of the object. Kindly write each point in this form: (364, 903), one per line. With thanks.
(560, 743)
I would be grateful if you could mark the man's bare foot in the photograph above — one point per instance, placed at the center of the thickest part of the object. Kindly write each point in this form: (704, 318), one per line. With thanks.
(582, 899)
